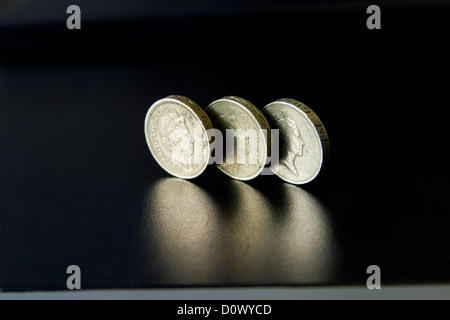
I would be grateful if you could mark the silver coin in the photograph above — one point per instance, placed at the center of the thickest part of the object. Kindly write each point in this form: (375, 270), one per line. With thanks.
(246, 157)
(176, 133)
(304, 143)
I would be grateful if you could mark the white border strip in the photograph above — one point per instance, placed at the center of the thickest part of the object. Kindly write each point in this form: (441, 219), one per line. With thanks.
(388, 292)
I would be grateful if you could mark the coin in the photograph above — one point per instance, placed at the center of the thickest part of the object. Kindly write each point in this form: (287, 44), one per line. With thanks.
(245, 155)
(303, 140)
(176, 133)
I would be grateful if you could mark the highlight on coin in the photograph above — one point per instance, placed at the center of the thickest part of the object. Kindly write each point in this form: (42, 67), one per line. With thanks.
(176, 130)
(304, 143)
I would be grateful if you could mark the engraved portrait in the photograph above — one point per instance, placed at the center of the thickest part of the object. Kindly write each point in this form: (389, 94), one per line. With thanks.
(292, 141)
(176, 138)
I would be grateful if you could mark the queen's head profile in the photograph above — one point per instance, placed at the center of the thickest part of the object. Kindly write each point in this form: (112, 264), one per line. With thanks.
(291, 142)
(176, 138)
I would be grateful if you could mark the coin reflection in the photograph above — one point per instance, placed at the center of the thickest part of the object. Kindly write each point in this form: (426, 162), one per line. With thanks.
(180, 224)
(237, 234)
(303, 230)
(278, 235)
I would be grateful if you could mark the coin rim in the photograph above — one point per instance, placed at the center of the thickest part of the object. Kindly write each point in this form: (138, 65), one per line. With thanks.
(324, 152)
(229, 99)
(173, 99)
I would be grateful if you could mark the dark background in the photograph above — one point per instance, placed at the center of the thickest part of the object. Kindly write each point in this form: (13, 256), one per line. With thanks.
(79, 186)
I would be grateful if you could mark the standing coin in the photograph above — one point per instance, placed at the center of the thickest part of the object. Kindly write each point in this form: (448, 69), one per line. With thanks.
(303, 140)
(176, 133)
(246, 134)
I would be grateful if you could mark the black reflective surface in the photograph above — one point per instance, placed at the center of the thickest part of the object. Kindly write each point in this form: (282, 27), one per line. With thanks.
(79, 186)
